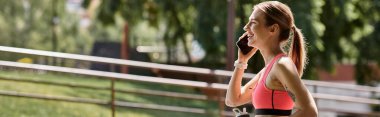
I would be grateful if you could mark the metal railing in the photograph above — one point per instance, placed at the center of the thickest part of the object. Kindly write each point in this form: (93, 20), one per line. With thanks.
(120, 76)
(160, 80)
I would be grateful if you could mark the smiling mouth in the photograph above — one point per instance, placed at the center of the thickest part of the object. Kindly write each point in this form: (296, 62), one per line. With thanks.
(250, 36)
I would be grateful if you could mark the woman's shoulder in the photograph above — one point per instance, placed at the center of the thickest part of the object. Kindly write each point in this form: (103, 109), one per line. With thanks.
(285, 61)
(285, 65)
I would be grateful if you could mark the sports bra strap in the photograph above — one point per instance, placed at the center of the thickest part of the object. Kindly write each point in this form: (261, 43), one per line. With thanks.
(269, 67)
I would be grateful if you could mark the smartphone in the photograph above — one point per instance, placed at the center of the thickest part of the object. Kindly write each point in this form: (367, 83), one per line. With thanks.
(243, 45)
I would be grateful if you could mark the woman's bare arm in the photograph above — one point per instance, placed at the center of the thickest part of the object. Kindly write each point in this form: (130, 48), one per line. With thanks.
(286, 72)
(236, 95)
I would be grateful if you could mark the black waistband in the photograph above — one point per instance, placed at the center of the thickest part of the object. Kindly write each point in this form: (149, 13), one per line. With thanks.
(273, 112)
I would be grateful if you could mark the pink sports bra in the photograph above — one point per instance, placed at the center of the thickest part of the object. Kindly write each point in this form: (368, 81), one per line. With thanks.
(271, 102)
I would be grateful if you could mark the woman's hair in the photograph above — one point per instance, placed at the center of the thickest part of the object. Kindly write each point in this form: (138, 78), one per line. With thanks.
(279, 13)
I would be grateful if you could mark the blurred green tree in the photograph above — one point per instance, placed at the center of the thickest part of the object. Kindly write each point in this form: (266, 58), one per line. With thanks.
(29, 24)
(337, 31)
(348, 37)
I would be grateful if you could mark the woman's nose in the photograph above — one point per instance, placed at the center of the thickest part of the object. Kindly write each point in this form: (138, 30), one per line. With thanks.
(245, 28)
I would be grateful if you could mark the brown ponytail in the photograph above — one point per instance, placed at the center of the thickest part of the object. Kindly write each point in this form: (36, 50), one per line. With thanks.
(297, 50)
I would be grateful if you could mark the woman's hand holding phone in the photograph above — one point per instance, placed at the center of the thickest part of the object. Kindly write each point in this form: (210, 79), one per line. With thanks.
(245, 52)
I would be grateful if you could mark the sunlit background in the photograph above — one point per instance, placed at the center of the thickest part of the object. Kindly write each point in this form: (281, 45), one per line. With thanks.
(157, 38)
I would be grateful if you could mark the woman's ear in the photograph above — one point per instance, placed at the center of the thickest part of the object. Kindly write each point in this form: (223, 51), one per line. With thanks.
(274, 28)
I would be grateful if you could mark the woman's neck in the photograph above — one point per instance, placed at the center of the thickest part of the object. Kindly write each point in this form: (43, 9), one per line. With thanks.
(269, 53)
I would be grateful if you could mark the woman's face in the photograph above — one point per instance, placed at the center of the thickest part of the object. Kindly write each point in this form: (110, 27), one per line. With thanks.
(257, 30)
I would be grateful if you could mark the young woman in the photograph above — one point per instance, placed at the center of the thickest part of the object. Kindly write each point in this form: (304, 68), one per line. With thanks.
(277, 89)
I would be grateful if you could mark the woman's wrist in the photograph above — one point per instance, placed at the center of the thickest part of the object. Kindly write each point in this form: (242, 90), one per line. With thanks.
(242, 61)
(240, 65)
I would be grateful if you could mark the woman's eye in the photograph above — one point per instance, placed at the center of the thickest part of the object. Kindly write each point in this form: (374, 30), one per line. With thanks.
(250, 23)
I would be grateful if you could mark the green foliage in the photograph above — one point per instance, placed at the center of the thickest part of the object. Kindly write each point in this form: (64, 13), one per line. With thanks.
(337, 31)
(28, 24)
(349, 36)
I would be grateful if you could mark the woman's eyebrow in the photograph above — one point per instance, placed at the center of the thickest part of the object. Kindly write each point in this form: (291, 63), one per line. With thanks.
(253, 19)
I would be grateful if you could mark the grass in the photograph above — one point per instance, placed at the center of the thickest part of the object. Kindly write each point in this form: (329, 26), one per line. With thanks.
(27, 107)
